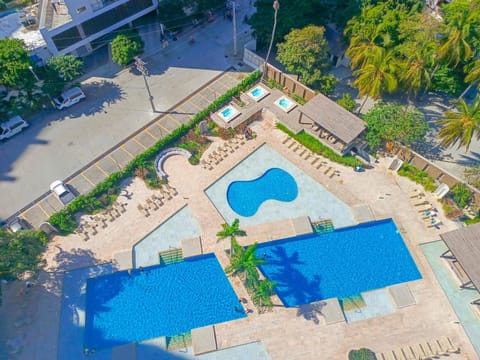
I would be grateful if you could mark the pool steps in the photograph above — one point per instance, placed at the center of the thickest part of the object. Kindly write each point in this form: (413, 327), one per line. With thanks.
(170, 256)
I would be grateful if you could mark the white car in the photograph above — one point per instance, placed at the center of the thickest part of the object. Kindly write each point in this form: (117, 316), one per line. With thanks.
(62, 191)
(12, 127)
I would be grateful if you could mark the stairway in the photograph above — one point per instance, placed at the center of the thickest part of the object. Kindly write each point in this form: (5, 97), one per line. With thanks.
(171, 256)
(323, 226)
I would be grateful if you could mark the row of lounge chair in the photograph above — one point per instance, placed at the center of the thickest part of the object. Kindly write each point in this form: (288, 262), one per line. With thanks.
(155, 202)
(433, 349)
(428, 212)
(92, 225)
(309, 156)
(222, 152)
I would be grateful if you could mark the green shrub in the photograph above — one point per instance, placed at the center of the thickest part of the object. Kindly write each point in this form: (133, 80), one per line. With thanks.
(361, 354)
(347, 102)
(461, 194)
(108, 190)
(418, 176)
(317, 147)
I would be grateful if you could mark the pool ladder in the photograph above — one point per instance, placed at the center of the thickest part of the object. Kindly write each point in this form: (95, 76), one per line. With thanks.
(323, 226)
(171, 256)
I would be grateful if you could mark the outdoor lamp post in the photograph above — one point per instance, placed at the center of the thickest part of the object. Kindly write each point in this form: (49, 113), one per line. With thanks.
(276, 6)
(33, 72)
(140, 65)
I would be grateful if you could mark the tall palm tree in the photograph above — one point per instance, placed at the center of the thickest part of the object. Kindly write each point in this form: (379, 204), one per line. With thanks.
(230, 231)
(459, 127)
(461, 28)
(361, 46)
(473, 76)
(378, 74)
(244, 262)
(416, 74)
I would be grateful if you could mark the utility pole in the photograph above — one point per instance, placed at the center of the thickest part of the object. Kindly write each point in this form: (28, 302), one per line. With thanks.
(140, 65)
(234, 5)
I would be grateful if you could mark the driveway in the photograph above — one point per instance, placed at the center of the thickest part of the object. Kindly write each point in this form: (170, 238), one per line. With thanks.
(59, 143)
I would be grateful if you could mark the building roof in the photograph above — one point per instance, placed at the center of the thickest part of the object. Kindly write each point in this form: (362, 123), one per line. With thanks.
(464, 244)
(334, 118)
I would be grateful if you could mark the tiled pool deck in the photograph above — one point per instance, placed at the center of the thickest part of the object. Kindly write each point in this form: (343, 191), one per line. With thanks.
(459, 298)
(168, 235)
(312, 200)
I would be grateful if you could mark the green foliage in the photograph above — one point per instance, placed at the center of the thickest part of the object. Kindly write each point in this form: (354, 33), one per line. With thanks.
(231, 230)
(318, 148)
(461, 194)
(125, 47)
(65, 221)
(14, 63)
(461, 126)
(361, 354)
(448, 80)
(390, 122)
(300, 100)
(305, 52)
(68, 67)
(469, 221)
(418, 176)
(347, 102)
(292, 14)
(20, 252)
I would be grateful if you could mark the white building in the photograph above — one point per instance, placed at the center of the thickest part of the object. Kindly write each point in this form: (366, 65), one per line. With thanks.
(80, 26)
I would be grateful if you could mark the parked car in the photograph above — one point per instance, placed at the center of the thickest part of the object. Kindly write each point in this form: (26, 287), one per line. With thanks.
(60, 189)
(12, 127)
(17, 224)
(69, 98)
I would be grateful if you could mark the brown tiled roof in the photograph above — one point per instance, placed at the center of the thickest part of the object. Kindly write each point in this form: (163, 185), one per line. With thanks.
(464, 244)
(333, 118)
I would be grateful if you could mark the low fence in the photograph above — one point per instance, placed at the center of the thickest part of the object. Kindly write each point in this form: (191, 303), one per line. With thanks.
(437, 173)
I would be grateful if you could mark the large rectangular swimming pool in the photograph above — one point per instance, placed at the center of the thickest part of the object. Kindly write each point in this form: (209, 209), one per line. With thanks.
(338, 264)
(157, 301)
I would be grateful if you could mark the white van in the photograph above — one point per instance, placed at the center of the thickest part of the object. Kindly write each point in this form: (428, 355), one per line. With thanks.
(69, 98)
(12, 127)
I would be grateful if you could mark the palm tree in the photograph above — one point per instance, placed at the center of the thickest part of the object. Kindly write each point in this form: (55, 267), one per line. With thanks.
(378, 74)
(230, 231)
(460, 126)
(265, 290)
(473, 76)
(416, 74)
(276, 6)
(461, 28)
(361, 46)
(244, 262)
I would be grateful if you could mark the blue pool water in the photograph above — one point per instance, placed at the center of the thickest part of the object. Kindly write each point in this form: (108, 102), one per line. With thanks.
(8, 12)
(158, 301)
(257, 92)
(246, 197)
(227, 112)
(284, 103)
(338, 264)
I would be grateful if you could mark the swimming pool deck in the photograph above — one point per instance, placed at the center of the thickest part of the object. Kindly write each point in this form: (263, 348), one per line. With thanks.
(284, 332)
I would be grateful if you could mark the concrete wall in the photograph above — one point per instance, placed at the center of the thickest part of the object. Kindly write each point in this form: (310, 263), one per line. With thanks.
(249, 56)
(440, 175)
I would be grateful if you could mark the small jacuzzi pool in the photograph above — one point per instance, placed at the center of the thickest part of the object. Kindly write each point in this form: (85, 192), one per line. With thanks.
(285, 104)
(228, 113)
(258, 93)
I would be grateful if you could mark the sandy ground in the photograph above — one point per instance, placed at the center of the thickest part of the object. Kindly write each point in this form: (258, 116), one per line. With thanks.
(30, 319)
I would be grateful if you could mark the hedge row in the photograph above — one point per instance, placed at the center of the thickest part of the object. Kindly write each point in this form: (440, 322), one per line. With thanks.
(106, 192)
(317, 147)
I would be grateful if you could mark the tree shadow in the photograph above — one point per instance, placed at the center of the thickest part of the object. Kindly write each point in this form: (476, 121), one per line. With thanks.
(290, 282)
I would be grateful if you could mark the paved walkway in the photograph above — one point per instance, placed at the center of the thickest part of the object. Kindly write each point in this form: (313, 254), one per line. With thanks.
(285, 333)
(118, 157)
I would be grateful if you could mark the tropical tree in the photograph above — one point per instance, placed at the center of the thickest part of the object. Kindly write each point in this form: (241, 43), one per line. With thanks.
(20, 252)
(377, 75)
(460, 126)
(391, 122)
(244, 262)
(263, 293)
(125, 47)
(292, 14)
(461, 38)
(14, 65)
(68, 67)
(230, 231)
(305, 52)
(472, 77)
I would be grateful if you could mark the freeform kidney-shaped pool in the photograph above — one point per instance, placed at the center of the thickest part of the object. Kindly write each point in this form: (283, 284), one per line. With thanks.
(246, 197)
